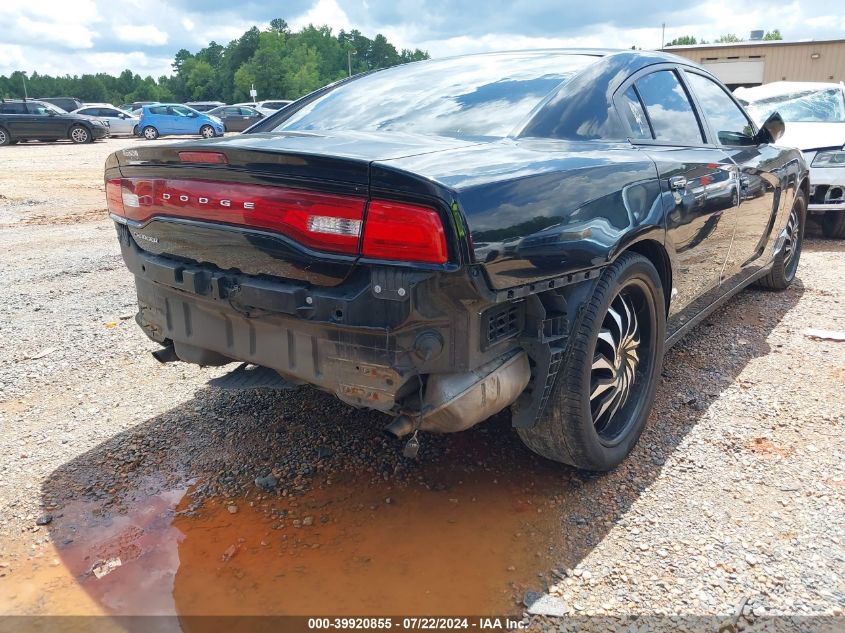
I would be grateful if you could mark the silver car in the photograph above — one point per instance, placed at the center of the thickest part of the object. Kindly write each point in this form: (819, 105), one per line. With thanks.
(815, 124)
(119, 121)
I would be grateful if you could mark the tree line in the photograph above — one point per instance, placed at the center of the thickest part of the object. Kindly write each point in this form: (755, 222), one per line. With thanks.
(728, 38)
(279, 63)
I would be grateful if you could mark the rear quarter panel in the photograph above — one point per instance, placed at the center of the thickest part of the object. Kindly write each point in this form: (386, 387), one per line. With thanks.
(536, 209)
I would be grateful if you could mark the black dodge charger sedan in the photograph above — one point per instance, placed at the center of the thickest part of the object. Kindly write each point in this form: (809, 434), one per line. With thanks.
(445, 239)
(28, 120)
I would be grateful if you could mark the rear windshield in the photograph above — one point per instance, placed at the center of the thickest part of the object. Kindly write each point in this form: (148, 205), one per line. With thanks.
(480, 95)
(802, 106)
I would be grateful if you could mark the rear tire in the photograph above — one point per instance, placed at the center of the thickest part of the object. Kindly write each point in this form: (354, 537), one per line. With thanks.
(786, 262)
(5, 137)
(833, 224)
(80, 134)
(605, 388)
(150, 133)
(206, 131)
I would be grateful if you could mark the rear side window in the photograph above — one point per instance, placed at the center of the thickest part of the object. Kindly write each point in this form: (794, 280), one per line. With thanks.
(632, 111)
(669, 109)
(726, 119)
(12, 108)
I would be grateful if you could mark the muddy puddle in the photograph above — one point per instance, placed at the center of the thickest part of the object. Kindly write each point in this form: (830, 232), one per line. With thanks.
(461, 545)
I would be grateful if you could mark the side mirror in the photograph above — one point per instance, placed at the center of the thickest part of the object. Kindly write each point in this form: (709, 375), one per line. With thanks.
(772, 129)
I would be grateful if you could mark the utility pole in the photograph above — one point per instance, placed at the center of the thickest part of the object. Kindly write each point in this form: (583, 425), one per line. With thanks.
(663, 36)
(349, 52)
(23, 80)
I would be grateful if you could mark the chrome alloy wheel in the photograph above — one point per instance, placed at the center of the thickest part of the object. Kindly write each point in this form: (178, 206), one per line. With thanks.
(79, 135)
(793, 236)
(613, 374)
(207, 131)
(3, 137)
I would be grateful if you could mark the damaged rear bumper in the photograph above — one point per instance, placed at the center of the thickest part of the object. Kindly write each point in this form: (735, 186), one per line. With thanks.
(369, 351)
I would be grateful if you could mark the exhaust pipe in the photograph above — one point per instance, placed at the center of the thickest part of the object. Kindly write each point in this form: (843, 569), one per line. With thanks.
(400, 426)
(455, 402)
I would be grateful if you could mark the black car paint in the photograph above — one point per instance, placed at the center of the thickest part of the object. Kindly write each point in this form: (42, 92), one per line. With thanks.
(548, 206)
(54, 126)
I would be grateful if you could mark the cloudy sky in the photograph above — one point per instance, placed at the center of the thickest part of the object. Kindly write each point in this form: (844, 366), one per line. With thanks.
(84, 36)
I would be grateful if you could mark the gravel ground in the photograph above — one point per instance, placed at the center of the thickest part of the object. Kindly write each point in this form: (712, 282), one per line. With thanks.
(732, 503)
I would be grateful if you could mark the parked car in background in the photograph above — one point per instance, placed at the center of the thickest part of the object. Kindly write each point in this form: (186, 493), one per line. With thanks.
(815, 117)
(527, 230)
(204, 106)
(68, 104)
(163, 119)
(257, 105)
(236, 118)
(135, 106)
(38, 121)
(277, 104)
(119, 121)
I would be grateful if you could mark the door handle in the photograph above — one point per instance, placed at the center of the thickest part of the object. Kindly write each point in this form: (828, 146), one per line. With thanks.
(677, 183)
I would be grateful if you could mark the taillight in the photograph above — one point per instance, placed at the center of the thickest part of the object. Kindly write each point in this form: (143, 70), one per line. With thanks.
(393, 230)
(321, 221)
(114, 197)
(404, 232)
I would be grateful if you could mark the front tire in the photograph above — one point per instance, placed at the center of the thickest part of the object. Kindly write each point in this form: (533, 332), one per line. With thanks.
(786, 261)
(136, 131)
(833, 224)
(5, 137)
(206, 131)
(150, 133)
(80, 134)
(605, 388)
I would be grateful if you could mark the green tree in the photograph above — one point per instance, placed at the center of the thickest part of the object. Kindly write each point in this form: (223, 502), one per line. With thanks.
(773, 35)
(684, 40)
(728, 39)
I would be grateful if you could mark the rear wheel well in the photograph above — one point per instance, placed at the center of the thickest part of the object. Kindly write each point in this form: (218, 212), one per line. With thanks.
(657, 255)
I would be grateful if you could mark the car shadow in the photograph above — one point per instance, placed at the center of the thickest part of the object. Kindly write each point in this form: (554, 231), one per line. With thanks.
(339, 521)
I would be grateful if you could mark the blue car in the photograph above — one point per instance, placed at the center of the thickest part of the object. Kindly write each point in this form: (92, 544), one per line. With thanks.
(160, 119)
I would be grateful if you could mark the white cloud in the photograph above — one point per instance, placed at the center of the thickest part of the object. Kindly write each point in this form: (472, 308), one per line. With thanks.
(140, 34)
(323, 12)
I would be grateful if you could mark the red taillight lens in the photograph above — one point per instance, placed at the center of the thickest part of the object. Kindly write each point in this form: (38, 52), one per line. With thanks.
(394, 230)
(318, 220)
(114, 198)
(404, 232)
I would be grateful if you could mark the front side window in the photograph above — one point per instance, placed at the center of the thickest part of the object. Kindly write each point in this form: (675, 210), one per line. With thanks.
(39, 109)
(728, 121)
(669, 109)
(181, 111)
(232, 111)
(157, 109)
